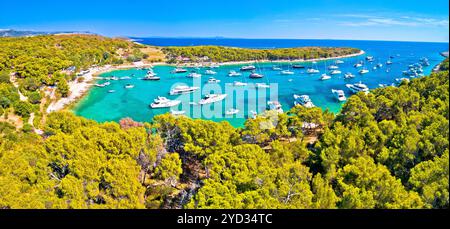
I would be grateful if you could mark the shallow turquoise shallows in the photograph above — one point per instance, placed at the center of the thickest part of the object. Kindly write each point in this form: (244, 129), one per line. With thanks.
(102, 106)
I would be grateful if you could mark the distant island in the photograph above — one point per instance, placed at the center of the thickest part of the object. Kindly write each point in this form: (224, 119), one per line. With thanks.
(24, 33)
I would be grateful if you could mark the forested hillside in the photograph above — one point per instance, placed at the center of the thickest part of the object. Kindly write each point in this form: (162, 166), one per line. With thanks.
(387, 149)
(226, 54)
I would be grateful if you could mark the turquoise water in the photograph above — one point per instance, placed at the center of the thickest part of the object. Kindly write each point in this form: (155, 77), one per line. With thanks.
(102, 106)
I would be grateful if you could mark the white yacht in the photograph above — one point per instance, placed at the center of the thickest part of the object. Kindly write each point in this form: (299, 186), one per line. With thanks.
(325, 77)
(194, 75)
(357, 87)
(303, 100)
(333, 67)
(363, 71)
(129, 86)
(231, 111)
(276, 68)
(369, 58)
(212, 98)
(340, 95)
(357, 65)
(210, 72)
(389, 62)
(312, 71)
(349, 75)
(238, 84)
(178, 90)
(151, 76)
(179, 70)
(125, 78)
(255, 75)
(177, 113)
(213, 80)
(214, 65)
(262, 85)
(162, 102)
(234, 73)
(111, 91)
(339, 62)
(287, 72)
(275, 105)
(248, 68)
(335, 72)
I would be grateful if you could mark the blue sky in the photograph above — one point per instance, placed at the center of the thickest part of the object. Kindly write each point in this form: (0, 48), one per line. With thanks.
(413, 20)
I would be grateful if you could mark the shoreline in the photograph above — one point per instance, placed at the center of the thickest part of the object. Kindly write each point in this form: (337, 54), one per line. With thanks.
(79, 89)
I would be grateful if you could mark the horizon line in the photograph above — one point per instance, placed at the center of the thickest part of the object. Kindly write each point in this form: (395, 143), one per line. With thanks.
(242, 38)
(216, 37)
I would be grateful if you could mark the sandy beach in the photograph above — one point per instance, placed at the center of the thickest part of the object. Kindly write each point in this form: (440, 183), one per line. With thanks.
(79, 89)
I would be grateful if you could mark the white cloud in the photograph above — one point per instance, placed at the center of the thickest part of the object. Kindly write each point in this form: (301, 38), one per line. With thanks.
(390, 21)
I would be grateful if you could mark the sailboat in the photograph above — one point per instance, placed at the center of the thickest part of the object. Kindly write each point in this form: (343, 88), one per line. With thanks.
(313, 70)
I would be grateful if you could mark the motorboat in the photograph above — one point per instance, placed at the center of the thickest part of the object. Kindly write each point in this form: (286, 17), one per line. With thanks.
(275, 106)
(389, 62)
(275, 68)
(163, 102)
(358, 87)
(231, 111)
(325, 77)
(363, 71)
(125, 78)
(178, 90)
(298, 66)
(238, 84)
(129, 86)
(335, 72)
(287, 72)
(339, 62)
(212, 98)
(255, 75)
(213, 80)
(179, 70)
(262, 85)
(340, 95)
(234, 73)
(349, 75)
(333, 67)
(210, 72)
(194, 75)
(177, 113)
(369, 58)
(248, 68)
(357, 65)
(151, 76)
(111, 91)
(303, 100)
(312, 71)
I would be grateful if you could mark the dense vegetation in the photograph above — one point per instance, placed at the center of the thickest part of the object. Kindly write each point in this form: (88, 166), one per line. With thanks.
(224, 54)
(32, 65)
(387, 149)
(41, 60)
(444, 65)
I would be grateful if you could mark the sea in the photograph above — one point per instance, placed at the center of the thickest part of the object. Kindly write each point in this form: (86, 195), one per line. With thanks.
(114, 102)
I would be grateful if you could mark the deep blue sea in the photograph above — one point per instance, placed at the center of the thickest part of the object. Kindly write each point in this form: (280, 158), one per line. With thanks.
(103, 106)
